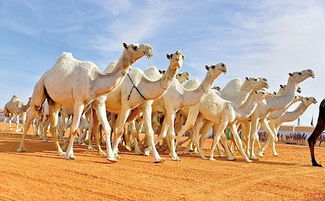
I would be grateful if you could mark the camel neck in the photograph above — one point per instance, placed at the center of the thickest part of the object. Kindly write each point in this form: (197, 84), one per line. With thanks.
(104, 83)
(245, 110)
(154, 89)
(193, 97)
(282, 101)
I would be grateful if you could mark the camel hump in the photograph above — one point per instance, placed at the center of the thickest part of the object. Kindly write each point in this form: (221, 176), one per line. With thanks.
(231, 89)
(192, 83)
(153, 73)
(110, 67)
(66, 54)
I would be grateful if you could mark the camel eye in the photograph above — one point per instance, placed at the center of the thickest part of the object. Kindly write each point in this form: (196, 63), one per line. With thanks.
(299, 73)
(213, 67)
(255, 80)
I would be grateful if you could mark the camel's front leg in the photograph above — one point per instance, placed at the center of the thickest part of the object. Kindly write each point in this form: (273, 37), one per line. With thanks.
(271, 137)
(196, 135)
(253, 137)
(239, 142)
(171, 130)
(219, 130)
(17, 123)
(119, 130)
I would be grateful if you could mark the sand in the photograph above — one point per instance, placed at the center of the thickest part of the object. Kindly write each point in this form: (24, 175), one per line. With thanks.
(40, 174)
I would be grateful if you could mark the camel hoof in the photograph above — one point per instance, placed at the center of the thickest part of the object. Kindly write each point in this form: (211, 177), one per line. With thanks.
(102, 153)
(91, 148)
(212, 159)
(161, 160)
(21, 149)
(253, 158)
(70, 157)
(138, 153)
(260, 153)
(112, 159)
(128, 147)
(147, 152)
(222, 155)
(317, 165)
(248, 161)
(176, 158)
(61, 153)
(275, 154)
(45, 140)
(204, 158)
(231, 158)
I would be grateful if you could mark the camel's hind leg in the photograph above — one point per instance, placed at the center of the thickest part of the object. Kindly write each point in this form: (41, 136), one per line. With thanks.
(53, 116)
(238, 142)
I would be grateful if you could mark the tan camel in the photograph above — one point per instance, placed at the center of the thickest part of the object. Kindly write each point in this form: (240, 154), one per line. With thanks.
(14, 108)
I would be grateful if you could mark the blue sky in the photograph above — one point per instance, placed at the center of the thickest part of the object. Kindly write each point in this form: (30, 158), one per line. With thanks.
(267, 38)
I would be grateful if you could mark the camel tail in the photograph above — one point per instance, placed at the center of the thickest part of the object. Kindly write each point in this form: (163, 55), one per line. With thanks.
(39, 95)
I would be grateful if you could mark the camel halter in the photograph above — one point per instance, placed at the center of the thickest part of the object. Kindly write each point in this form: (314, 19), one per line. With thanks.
(204, 90)
(134, 87)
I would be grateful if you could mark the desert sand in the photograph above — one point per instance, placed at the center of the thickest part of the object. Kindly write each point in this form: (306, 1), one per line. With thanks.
(40, 174)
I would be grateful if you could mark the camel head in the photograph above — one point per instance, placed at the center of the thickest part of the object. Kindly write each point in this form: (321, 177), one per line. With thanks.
(259, 95)
(136, 51)
(255, 83)
(176, 60)
(297, 98)
(298, 77)
(182, 77)
(216, 70)
(309, 100)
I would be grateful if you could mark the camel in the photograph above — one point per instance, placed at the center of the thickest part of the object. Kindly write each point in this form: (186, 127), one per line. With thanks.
(177, 97)
(242, 89)
(138, 91)
(75, 83)
(237, 91)
(291, 116)
(14, 108)
(268, 105)
(182, 77)
(229, 116)
(320, 126)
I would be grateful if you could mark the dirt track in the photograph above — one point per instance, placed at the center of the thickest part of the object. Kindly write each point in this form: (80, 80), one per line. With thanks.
(40, 174)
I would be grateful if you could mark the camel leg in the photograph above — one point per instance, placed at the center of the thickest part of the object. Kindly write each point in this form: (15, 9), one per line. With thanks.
(204, 133)
(4, 124)
(77, 112)
(94, 131)
(11, 117)
(253, 138)
(101, 114)
(171, 131)
(190, 122)
(17, 123)
(219, 130)
(53, 115)
(32, 113)
(162, 134)
(271, 137)
(135, 138)
(119, 130)
(239, 142)
(313, 138)
(196, 136)
(223, 142)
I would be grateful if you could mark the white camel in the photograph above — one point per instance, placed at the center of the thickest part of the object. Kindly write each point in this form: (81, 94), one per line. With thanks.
(290, 116)
(235, 91)
(241, 112)
(14, 108)
(177, 97)
(268, 105)
(138, 90)
(75, 83)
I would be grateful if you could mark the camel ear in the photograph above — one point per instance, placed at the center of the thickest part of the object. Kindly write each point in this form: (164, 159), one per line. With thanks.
(168, 56)
(246, 78)
(183, 57)
(125, 45)
(274, 93)
(256, 92)
(207, 67)
(281, 86)
(290, 74)
(160, 71)
(163, 71)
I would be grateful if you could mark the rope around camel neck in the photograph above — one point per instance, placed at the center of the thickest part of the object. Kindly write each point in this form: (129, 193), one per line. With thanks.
(134, 87)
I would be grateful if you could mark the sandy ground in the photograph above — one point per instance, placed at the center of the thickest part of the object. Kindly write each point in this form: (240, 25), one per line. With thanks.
(39, 174)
